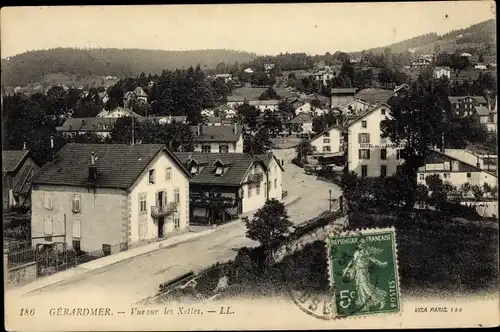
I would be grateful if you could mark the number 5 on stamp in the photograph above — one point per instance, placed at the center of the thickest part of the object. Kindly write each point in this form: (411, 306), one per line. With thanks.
(363, 273)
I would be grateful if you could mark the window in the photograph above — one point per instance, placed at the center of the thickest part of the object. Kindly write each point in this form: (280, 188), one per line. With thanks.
(75, 206)
(383, 154)
(314, 149)
(168, 174)
(421, 176)
(77, 229)
(249, 191)
(48, 201)
(469, 175)
(327, 134)
(275, 169)
(398, 154)
(383, 111)
(219, 170)
(383, 171)
(447, 165)
(143, 204)
(446, 176)
(454, 165)
(326, 148)
(177, 195)
(177, 221)
(399, 169)
(275, 183)
(206, 148)
(48, 228)
(363, 124)
(364, 138)
(151, 176)
(364, 154)
(76, 244)
(364, 170)
(223, 149)
(258, 189)
(326, 140)
(457, 106)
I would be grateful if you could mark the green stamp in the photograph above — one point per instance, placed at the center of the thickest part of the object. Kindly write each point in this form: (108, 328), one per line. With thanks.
(363, 272)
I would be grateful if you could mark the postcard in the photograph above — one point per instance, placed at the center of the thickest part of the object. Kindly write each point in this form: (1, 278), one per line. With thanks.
(250, 166)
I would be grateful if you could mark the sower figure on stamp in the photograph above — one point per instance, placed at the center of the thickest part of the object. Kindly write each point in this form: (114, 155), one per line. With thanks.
(368, 295)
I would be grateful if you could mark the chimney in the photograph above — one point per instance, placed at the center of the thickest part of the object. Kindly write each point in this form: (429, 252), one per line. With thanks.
(92, 168)
(51, 153)
(235, 128)
(24, 145)
(200, 129)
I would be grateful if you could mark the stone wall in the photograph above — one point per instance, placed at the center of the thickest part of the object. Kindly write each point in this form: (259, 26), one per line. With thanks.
(319, 234)
(21, 274)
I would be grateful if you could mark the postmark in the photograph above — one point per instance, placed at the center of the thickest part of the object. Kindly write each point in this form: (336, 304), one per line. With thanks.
(363, 273)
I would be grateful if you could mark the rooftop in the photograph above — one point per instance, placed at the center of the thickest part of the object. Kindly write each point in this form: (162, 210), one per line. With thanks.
(88, 124)
(343, 90)
(301, 118)
(374, 96)
(223, 133)
(458, 99)
(118, 165)
(12, 159)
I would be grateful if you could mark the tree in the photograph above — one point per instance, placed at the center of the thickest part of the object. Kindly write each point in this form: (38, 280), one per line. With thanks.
(416, 122)
(422, 195)
(269, 224)
(248, 114)
(477, 192)
(269, 94)
(303, 149)
(466, 188)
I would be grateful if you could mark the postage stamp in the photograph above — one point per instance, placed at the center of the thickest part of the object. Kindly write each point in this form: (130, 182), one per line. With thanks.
(363, 273)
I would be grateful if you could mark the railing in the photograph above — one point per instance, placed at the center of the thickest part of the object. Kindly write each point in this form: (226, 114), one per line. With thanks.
(161, 211)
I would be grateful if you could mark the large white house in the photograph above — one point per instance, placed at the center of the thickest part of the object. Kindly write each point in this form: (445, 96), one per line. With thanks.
(109, 197)
(328, 142)
(369, 154)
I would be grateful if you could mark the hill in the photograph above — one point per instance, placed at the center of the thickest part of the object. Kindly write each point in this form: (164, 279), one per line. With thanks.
(478, 38)
(34, 66)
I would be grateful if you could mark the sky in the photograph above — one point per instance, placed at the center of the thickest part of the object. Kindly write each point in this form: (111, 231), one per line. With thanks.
(260, 28)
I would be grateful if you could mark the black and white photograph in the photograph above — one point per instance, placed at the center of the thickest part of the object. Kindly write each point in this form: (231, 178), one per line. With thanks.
(250, 166)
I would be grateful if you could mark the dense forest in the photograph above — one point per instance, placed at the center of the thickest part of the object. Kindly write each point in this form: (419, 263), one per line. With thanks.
(30, 67)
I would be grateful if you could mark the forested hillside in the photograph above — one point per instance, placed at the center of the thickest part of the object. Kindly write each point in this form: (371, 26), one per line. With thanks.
(476, 38)
(33, 66)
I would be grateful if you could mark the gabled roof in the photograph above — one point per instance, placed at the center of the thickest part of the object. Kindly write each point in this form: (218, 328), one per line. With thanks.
(264, 102)
(340, 128)
(458, 99)
(88, 124)
(13, 159)
(354, 101)
(343, 90)
(23, 184)
(482, 110)
(301, 118)
(234, 176)
(126, 110)
(140, 92)
(267, 158)
(223, 133)
(235, 98)
(374, 96)
(118, 165)
(365, 114)
(437, 156)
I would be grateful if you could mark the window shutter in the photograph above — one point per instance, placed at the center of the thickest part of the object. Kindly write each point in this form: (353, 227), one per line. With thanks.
(359, 138)
(48, 226)
(368, 152)
(76, 229)
(359, 154)
(165, 200)
(367, 138)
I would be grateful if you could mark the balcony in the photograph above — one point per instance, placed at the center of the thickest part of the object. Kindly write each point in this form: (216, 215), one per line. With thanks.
(162, 211)
(255, 178)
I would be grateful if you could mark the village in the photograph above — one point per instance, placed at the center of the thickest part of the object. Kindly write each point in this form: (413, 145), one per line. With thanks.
(126, 185)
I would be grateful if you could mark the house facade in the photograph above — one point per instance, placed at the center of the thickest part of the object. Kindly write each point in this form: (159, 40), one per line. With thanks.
(439, 72)
(218, 139)
(121, 112)
(235, 101)
(328, 142)
(420, 63)
(301, 125)
(368, 154)
(226, 185)
(466, 105)
(263, 105)
(109, 197)
(355, 107)
(101, 126)
(454, 171)
(341, 96)
(17, 170)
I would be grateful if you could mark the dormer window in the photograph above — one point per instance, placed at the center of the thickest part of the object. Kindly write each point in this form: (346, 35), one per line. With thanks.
(194, 169)
(219, 170)
(220, 167)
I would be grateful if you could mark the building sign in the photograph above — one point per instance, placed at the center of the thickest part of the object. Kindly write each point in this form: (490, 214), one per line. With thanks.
(381, 146)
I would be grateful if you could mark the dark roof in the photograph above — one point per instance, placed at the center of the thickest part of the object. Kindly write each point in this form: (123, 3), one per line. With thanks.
(12, 159)
(343, 90)
(223, 133)
(301, 118)
(326, 130)
(237, 170)
(266, 159)
(23, 184)
(235, 98)
(118, 165)
(88, 124)
(374, 96)
(457, 99)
